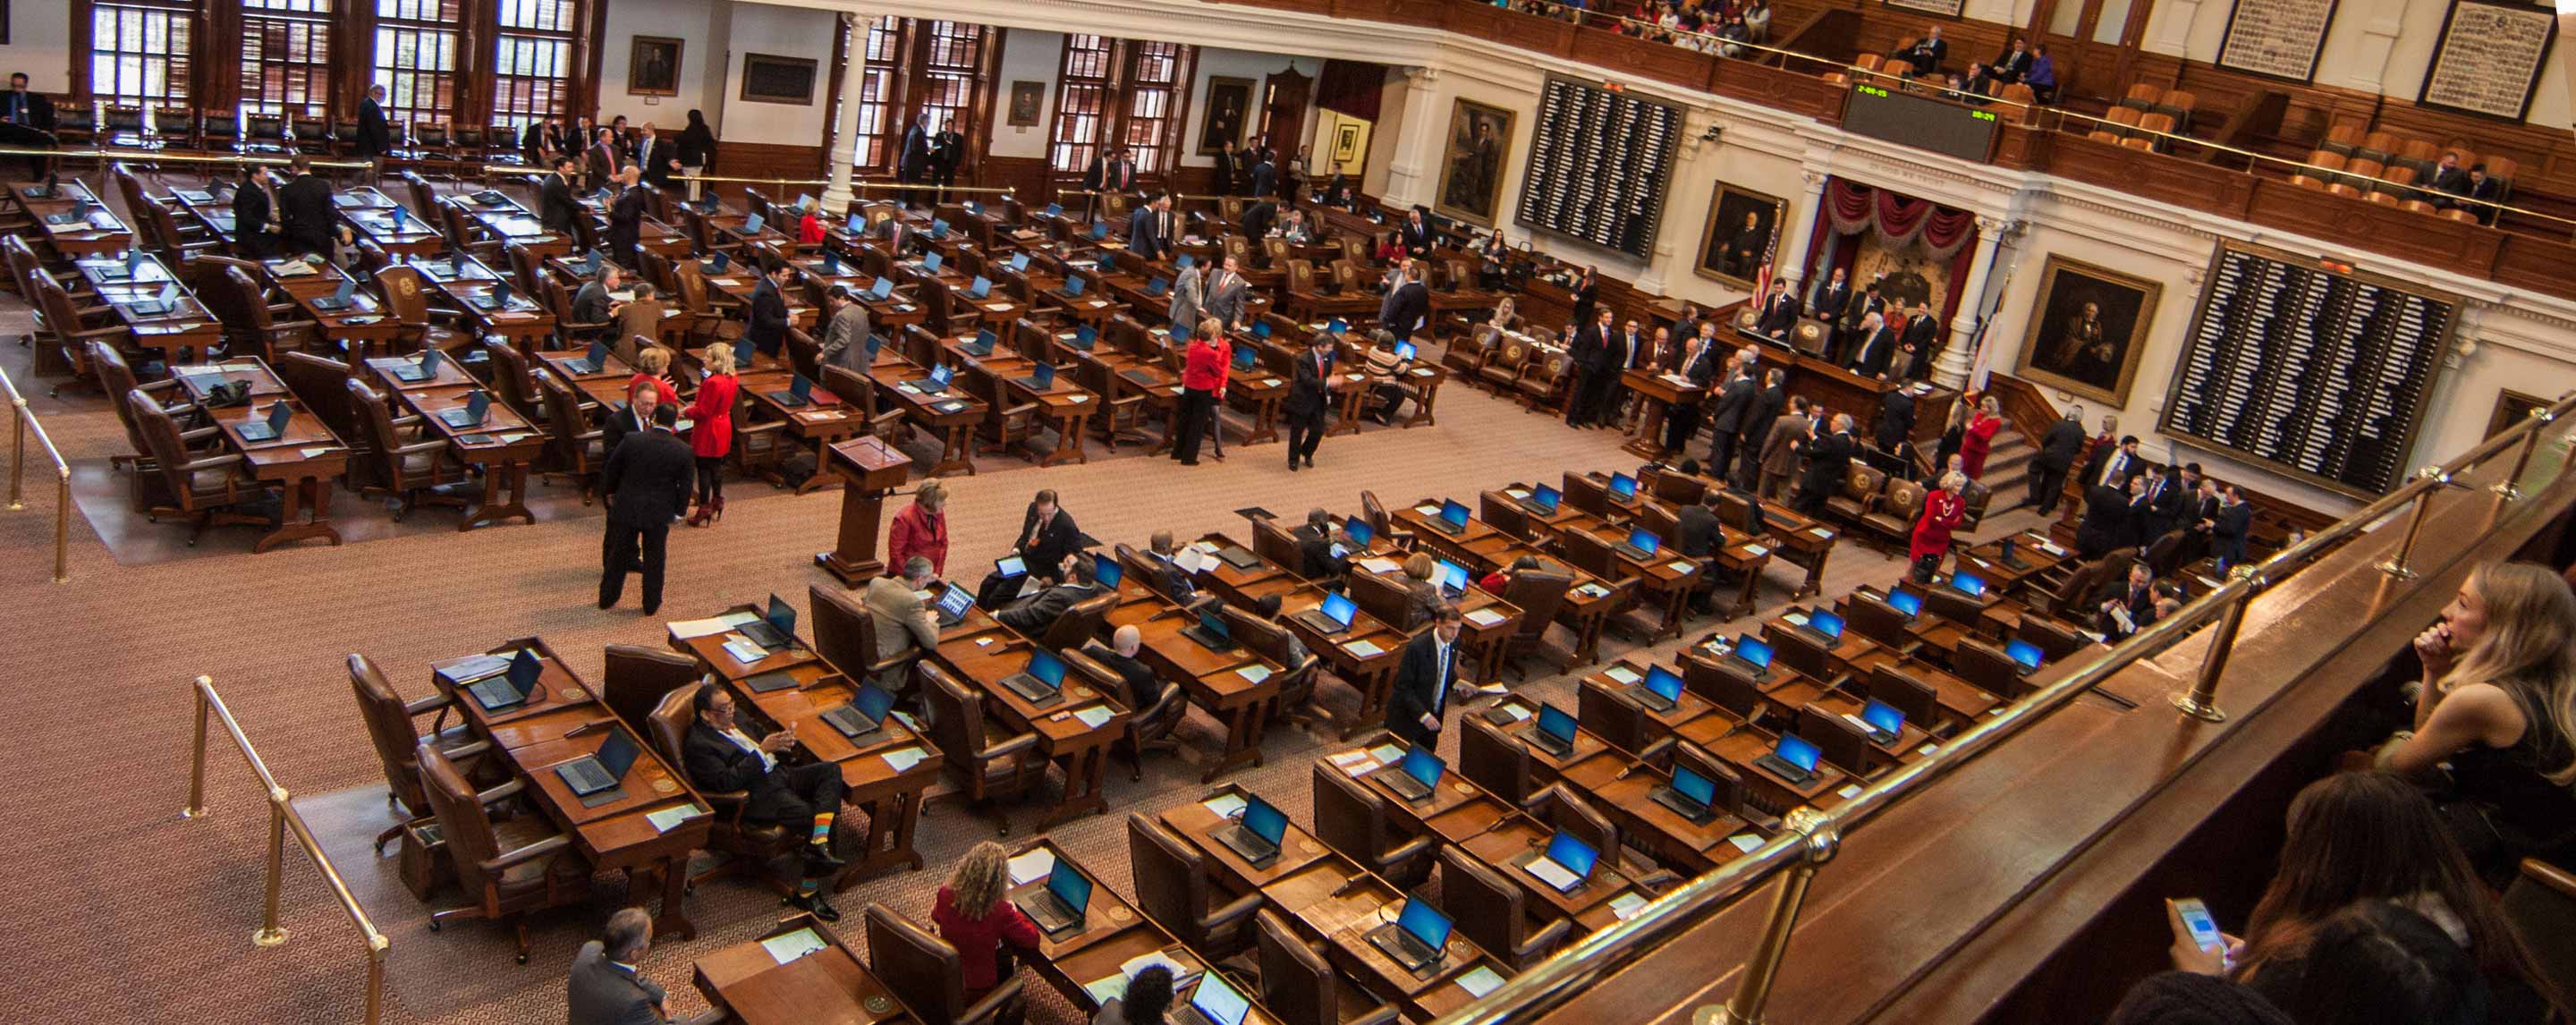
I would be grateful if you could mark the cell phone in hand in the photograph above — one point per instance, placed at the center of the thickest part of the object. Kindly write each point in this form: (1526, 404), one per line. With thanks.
(2191, 921)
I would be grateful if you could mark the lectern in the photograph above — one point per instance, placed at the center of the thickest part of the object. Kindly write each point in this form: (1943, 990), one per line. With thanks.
(869, 469)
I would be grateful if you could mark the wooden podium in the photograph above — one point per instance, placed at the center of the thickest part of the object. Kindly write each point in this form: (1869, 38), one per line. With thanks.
(1660, 393)
(869, 470)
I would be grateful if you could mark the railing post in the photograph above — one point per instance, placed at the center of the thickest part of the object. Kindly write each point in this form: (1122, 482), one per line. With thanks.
(196, 806)
(1763, 968)
(2510, 488)
(2396, 566)
(2201, 701)
(376, 979)
(18, 454)
(270, 933)
(63, 525)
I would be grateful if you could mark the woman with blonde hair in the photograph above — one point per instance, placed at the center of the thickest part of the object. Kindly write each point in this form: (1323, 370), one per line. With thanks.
(1942, 511)
(712, 436)
(1979, 436)
(1424, 599)
(653, 363)
(975, 916)
(2497, 704)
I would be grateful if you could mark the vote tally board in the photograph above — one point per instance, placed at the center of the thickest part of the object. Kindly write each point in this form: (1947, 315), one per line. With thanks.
(1599, 165)
(2310, 369)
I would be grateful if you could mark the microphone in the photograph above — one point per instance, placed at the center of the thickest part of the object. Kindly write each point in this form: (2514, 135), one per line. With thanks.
(595, 724)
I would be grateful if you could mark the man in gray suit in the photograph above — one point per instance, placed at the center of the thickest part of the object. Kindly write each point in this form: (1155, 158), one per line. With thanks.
(1185, 299)
(845, 337)
(1225, 290)
(605, 988)
(902, 622)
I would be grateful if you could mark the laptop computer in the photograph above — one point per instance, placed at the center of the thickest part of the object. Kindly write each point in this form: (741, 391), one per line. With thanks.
(1881, 721)
(1209, 631)
(1623, 488)
(1011, 567)
(831, 264)
(856, 225)
(589, 264)
(1245, 358)
(1238, 557)
(1058, 906)
(511, 688)
(1566, 865)
(592, 773)
(1413, 777)
(1659, 691)
(477, 407)
(1041, 377)
(590, 362)
(1332, 617)
(1158, 287)
(751, 224)
(937, 382)
(1640, 545)
(1072, 287)
(1907, 602)
(930, 261)
(938, 228)
(1452, 519)
(1406, 351)
(1968, 584)
(1690, 795)
(981, 289)
(1055, 210)
(1417, 939)
(1451, 577)
(744, 349)
(1042, 683)
(1085, 337)
(1256, 832)
(1542, 501)
(1216, 1002)
(1357, 531)
(2025, 655)
(1553, 732)
(1099, 229)
(883, 288)
(1261, 329)
(423, 369)
(1793, 758)
(1019, 261)
(865, 714)
(1755, 653)
(498, 298)
(954, 602)
(799, 391)
(268, 429)
(717, 262)
(1106, 572)
(164, 301)
(1825, 627)
(776, 627)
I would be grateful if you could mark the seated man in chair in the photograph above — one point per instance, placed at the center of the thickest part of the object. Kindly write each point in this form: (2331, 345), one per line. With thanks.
(720, 758)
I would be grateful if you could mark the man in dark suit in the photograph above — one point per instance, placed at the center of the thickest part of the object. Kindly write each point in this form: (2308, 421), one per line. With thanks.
(1032, 615)
(599, 163)
(1424, 678)
(307, 219)
(1265, 175)
(2013, 65)
(1047, 535)
(912, 163)
(2449, 180)
(1698, 364)
(1593, 356)
(1407, 306)
(1829, 457)
(2106, 517)
(721, 758)
(947, 151)
(2200, 517)
(1226, 177)
(626, 216)
(537, 142)
(2133, 598)
(655, 159)
(1225, 294)
(1778, 315)
(1315, 541)
(1309, 395)
(1767, 407)
(2114, 465)
(607, 985)
(1696, 532)
(2485, 188)
(2142, 524)
(2165, 504)
(643, 407)
(1415, 234)
(1895, 419)
(1136, 678)
(1830, 299)
(1149, 229)
(2057, 450)
(2228, 530)
(254, 209)
(26, 109)
(1922, 339)
(1109, 172)
(646, 484)
(1927, 53)
(557, 209)
(1727, 414)
(768, 331)
(1258, 219)
(1876, 347)
(375, 136)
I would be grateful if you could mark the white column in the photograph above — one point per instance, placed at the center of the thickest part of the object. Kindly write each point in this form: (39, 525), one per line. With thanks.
(1414, 173)
(1792, 266)
(1950, 370)
(838, 195)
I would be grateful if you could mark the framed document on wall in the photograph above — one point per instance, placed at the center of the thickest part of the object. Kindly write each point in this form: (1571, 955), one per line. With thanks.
(2278, 38)
(1598, 166)
(1944, 8)
(768, 78)
(2489, 58)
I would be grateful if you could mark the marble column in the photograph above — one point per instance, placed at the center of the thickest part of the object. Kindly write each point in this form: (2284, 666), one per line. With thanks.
(1950, 369)
(838, 196)
(1414, 173)
(1801, 228)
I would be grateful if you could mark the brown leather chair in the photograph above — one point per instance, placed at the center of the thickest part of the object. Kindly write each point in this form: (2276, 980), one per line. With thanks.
(413, 463)
(1490, 757)
(1892, 522)
(1384, 525)
(1557, 807)
(398, 740)
(1079, 623)
(1858, 495)
(1492, 911)
(258, 330)
(116, 378)
(1148, 728)
(2541, 904)
(845, 634)
(924, 973)
(580, 449)
(1351, 819)
(985, 759)
(407, 302)
(1539, 596)
(63, 329)
(637, 678)
(206, 486)
(1612, 717)
(507, 867)
(750, 844)
(1296, 676)
(1172, 888)
(1300, 987)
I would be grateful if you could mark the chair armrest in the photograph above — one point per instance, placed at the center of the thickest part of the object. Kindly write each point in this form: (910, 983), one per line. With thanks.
(503, 792)
(1545, 939)
(991, 1006)
(1013, 746)
(210, 462)
(431, 703)
(1232, 914)
(531, 852)
(1407, 851)
(1022, 409)
(199, 432)
(1384, 1015)
(464, 752)
(908, 656)
(427, 445)
(755, 430)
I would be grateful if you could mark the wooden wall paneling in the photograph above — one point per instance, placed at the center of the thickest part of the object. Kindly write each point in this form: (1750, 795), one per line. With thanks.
(767, 160)
(217, 66)
(1643, 58)
(2437, 241)
(1797, 93)
(1513, 28)
(586, 50)
(2156, 176)
(353, 43)
(1027, 175)
(2538, 264)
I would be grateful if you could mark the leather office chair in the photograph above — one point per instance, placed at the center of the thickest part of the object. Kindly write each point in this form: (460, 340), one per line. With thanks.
(1503, 514)
(398, 740)
(1148, 728)
(116, 378)
(407, 302)
(1725, 682)
(1557, 807)
(1272, 641)
(1539, 596)
(1892, 522)
(2055, 640)
(750, 844)
(1805, 655)
(1383, 599)
(580, 449)
(2541, 904)
(1384, 525)
(1275, 544)
(1172, 888)
(1916, 699)
(846, 635)
(1079, 623)
(1490, 757)
(1615, 719)
(64, 331)
(924, 973)
(1493, 912)
(206, 486)
(413, 463)
(1872, 617)
(508, 867)
(256, 329)
(884, 419)
(1351, 819)
(1858, 495)
(1300, 987)
(638, 677)
(986, 760)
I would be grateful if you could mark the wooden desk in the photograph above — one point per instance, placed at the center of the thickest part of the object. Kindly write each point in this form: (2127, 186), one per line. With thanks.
(831, 986)
(1371, 672)
(521, 321)
(980, 652)
(953, 414)
(1338, 903)
(392, 227)
(186, 327)
(1063, 402)
(503, 444)
(1197, 823)
(1237, 686)
(305, 456)
(1661, 392)
(363, 326)
(71, 219)
(1513, 841)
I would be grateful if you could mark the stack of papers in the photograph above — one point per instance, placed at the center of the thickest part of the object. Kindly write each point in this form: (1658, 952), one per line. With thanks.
(1092, 716)
(1225, 805)
(1356, 763)
(669, 818)
(1821, 532)
(1681, 566)
(1363, 649)
(743, 650)
(1492, 690)
(1386, 753)
(903, 759)
(1480, 982)
(1516, 711)
(1627, 905)
(793, 945)
(1517, 493)
(1484, 617)
(1848, 792)
(1796, 618)
(1623, 674)
(1032, 866)
(1254, 673)
(1427, 510)
(1745, 842)
(1756, 550)
(1380, 564)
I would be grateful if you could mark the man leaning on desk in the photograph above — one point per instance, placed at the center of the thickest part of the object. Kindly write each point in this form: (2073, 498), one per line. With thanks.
(607, 985)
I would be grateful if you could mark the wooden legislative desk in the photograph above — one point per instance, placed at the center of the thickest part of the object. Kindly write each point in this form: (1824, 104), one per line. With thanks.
(1236, 686)
(1842, 391)
(304, 456)
(831, 986)
(503, 444)
(980, 652)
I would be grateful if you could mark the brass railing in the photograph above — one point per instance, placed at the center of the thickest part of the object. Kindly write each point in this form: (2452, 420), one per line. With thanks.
(23, 423)
(152, 156)
(282, 819)
(1811, 837)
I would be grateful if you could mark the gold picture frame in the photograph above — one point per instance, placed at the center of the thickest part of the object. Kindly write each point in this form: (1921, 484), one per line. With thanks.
(653, 65)
(1722, 255)
(2098, 361)
(1473, 162)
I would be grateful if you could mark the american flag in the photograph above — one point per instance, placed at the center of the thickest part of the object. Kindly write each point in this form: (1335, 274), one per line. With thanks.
(1762, 288)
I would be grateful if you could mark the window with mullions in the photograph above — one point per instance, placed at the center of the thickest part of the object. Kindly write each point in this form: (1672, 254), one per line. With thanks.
(1082, 90)
(416, 44)
(1119, 91)
(532, 60)
(952, 62)
(878, 131)
(1153, 102)
(286, 57)
(139, 52)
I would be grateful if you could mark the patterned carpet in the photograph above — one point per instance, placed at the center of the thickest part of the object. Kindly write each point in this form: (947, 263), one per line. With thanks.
(129, 913)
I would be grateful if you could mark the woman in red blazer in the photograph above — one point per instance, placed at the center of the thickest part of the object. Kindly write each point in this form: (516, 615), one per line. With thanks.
(712, 436)
(975, 915)
(809, 229)
(1979, 437)
(1202, 384)
(1942, 511)
(653, 363)
(921, 529)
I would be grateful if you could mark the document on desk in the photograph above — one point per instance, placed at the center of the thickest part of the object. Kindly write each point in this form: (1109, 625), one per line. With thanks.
(1380, 564)
(1681, 566)
(1745, 842)
(1355, 763)
(1363, 649)
(1757, 551)
(743, 650)
(1427, 510)
(902, 759)
(1032, 866)
(1093, 716)
(1492, 690)
(1386, 754)
(670, 818)
(1796, 618)
(1480, 982)
(1623, 674)
(1484, 617)
(1627, 905)
(1254, 673)
(1228, 804)
(791, 946)
(690, 629)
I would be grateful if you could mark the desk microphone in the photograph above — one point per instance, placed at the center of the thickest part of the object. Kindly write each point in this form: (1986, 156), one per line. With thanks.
(1629, 771)
(595, 724)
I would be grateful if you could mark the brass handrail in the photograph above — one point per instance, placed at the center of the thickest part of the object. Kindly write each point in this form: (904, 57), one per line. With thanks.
(23, 422)
(531, 170)
(282, 818)
(1811, 836)
(175, 157)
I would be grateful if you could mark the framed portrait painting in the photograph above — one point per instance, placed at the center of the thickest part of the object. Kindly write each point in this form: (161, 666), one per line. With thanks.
(2088, 330)
(1471, 171)
(1229, 100)
(653, 66)
(1026, 98)
(1742, 233)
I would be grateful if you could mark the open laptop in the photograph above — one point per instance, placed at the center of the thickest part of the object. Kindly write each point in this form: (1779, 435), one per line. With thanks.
(856, 225)
(496, 298)
(981, 289)
(799, 392)
(883, 288)
(1969, 584)
(1659, 691)
(1358, 532)
(776, 627)
(1256, 832)
(1042, 683)
(751, 224)
(511, 688)
(930, 261)
(1413, 777)
(1041, 377)
(938, 228)
(1157, 287)
(1623, 488)
(166, 300)
(477, 406)
(1566, 865)
(1085, 337)
(1881, 721)
(268, 429)
(744, 351)
(1244, 359)
(1210, 631)
(1641, 545)
(1542, 501)
(982, 344)
(717, 262)
(1417, 939)
(592, 773)
(1553, 732)
(1072, 287)
(1690, 795)
(423, 369)
(1793, 758)
(2025, 655)
(1451, 578)
(1058, 906)
(1452, 519)
(1106, 572)
(953, 605)
(831, 264)
(1019, 262)
(1215, 1002)
(1754, 653)
(1904, 601)
(590, 362)
(1332, 617)
(934, 385)
(1825, 627)
(865, 714)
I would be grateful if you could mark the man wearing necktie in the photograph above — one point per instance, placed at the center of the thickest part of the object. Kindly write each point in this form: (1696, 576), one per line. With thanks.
(1309, 395)
(1424, 680)
(1148, 231)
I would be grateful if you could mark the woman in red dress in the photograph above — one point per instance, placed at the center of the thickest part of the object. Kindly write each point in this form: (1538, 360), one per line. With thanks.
(712, 436)
(1942, 511)
(1979, 437)
(921, 529)
(653, 364)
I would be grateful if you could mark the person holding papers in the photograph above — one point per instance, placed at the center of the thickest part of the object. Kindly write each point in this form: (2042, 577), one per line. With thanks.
(2128, 607)
(975, 915)
(1424, 680)
(902, 622)
(1047, 535)
(720, 758)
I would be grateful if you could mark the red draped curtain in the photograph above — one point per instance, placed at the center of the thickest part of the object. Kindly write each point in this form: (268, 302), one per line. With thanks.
(1351, 88)
(1898, 220)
